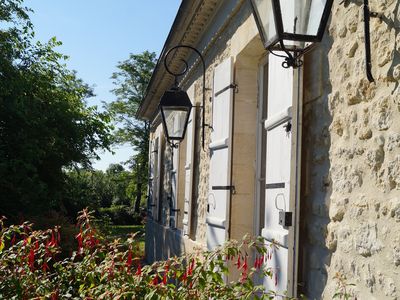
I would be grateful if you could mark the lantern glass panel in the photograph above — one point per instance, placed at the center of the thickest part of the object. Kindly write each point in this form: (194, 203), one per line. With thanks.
(265, 19)
(175, 118)
(302, 17)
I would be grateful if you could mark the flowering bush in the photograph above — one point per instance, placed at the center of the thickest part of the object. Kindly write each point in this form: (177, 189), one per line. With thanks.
(30, 268)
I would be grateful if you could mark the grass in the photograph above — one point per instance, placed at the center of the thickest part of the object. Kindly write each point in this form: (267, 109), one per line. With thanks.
(122, 231)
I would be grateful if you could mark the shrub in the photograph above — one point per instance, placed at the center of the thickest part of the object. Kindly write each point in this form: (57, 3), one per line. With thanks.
(121, 215)
(30, 268)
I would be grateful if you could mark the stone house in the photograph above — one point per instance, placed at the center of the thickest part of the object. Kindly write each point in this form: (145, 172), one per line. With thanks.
(320, 141)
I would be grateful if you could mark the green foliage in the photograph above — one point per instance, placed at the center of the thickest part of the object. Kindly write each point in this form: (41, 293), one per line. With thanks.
(343, 290)
(131, 82)
(108, 193)
(45, 124)
(99, 269)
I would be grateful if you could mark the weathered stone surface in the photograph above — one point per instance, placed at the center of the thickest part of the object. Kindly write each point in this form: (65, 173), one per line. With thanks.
(365, 134)
(393, 173)
(389, 287)
(345, 239)
(382, 117)
(395, 208)
(331, 238)
(393, 142)
(345, 178)
(396, 72)
(366, 240)
(375, 158)
(368, 277)
(396, 255)
(358, 207)
(338, 208)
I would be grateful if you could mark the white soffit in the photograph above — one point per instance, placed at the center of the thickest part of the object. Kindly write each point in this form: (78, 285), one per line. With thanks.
(190, 28)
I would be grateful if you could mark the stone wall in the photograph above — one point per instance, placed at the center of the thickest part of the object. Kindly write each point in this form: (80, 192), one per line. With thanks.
(351, 157)
(230, 42)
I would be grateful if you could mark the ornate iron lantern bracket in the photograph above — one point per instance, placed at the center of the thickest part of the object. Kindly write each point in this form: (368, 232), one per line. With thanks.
(177, 74)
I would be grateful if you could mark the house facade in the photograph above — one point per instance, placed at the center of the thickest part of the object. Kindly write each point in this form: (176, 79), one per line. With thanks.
(321, 142)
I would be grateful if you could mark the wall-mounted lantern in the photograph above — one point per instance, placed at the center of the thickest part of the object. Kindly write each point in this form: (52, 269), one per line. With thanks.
(175, 104)
(291, 26)
(175, 107)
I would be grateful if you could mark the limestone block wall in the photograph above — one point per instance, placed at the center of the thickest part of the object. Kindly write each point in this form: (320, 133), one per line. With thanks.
(230, 42)
(351, 157)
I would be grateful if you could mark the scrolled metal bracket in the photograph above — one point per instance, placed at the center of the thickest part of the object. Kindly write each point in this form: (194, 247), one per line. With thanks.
(177, 74)
(291, 60)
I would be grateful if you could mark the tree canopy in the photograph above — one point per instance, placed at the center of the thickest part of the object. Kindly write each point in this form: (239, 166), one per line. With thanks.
(131, 82)
(45, 123)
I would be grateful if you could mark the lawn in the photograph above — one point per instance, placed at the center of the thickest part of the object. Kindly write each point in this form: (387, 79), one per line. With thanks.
(122, 232)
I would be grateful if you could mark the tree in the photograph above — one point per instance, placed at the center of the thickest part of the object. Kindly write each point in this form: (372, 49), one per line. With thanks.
(45, 124)
(131, 83)
(108, 193)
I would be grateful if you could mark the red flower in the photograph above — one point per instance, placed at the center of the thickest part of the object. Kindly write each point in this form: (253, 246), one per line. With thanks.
(54, 296)
(259, 262)
(45, 267)
(139, 270)
(155, 280)
(184, 277)
(129, 260)
(31, 259)
(244, 267)
(245, 264)
(238, 263)
(111, 270)
(80, 240)
(166, 269)
(191, 266)
(53, 241)
(13, 240)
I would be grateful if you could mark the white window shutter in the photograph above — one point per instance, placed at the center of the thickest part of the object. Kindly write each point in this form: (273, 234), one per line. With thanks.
(190, 135)
(220, 186)
(174, 175)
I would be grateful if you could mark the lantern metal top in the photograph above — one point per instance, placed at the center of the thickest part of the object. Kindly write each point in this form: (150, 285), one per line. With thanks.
(291, 26)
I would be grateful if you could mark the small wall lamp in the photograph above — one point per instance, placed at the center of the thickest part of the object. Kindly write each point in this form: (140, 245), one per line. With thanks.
(175, 105)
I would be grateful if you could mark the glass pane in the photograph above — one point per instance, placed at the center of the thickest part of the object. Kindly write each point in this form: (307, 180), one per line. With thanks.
(316, 11)
(175, 120)
(265, 18)
(302, 16)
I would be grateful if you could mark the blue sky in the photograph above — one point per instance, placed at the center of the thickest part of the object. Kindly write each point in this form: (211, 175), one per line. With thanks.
(97, 34)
